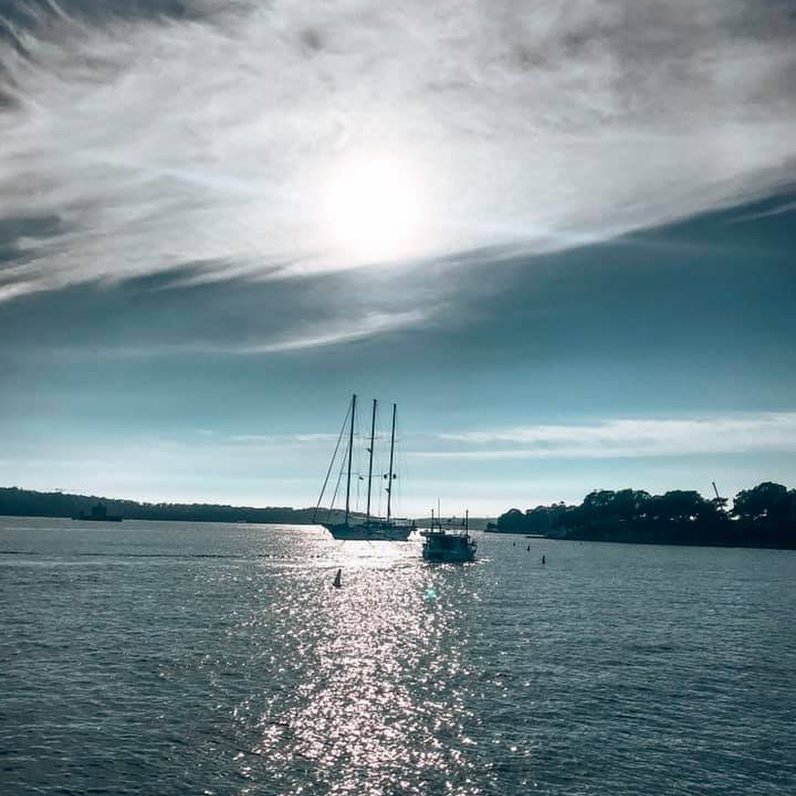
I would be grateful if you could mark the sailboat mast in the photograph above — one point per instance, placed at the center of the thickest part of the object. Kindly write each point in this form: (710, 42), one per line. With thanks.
(350, 454)
(370, 460)
(390, 475)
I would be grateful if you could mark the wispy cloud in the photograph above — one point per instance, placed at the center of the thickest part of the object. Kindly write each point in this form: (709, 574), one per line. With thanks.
(787, 207)
(361, 329)
(291, 336)
(282, 440)
(159, 141)
(622, 438)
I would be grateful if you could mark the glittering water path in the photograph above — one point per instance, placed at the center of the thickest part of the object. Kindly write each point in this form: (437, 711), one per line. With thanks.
(161, 658)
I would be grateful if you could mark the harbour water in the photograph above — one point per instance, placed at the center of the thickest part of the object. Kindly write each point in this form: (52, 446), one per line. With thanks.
(170, 658)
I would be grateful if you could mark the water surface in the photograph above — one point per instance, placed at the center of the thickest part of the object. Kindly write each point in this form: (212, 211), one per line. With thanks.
(176, 658)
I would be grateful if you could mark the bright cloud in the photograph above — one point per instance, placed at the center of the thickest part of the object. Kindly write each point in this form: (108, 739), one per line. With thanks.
(310, 336)
(158, 142)
(625, 438)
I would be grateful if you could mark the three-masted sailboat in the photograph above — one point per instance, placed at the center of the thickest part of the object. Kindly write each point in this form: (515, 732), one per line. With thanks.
(372, 529)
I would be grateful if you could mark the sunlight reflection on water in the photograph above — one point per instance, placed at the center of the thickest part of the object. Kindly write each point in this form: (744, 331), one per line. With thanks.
(378, 689)
(172, 659)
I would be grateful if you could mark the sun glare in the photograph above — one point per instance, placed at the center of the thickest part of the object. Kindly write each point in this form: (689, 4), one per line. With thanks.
(373, 210)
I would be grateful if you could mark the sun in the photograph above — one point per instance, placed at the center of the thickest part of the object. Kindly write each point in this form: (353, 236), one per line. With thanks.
(373, 210)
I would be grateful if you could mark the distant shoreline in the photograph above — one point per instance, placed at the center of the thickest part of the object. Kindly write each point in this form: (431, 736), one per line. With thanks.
(739, 545)
(661, 543)
(127, 520)
(761, 517)
(16, 502)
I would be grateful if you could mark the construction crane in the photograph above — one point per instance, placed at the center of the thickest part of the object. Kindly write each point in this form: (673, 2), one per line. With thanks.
(719, 501)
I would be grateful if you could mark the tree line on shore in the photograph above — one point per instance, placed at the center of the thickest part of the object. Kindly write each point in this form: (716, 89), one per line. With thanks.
(29, 503)
(763, 516)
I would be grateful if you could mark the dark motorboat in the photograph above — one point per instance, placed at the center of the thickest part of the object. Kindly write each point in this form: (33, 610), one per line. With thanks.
(369, 529)
(448, 547)
(99, 513)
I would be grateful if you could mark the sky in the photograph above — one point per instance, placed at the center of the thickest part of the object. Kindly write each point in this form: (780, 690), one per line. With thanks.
(559, 235)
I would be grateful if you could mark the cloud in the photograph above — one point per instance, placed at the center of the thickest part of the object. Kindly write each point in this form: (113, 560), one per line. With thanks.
(780, 209)
(291, 336)
(284, 439)
(625, 438)
(209, 138)
(361, 329)
(16, 289)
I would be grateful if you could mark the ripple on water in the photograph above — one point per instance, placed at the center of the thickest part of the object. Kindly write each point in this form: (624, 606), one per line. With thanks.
(172, 659)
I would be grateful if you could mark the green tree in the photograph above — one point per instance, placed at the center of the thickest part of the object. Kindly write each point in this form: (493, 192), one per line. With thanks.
(605, 505)
(598, 505)
(765, 502)
(679, 505)
(513, 521)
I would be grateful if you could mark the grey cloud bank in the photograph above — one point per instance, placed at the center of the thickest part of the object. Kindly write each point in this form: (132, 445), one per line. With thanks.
(160, 141)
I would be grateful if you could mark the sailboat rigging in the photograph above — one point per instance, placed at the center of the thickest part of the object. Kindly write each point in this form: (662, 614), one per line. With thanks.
(373, 529)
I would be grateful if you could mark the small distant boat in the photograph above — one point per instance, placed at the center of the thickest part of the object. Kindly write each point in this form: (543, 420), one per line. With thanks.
(372, 529)
(338, 579)
(448, 547)
(99, 513)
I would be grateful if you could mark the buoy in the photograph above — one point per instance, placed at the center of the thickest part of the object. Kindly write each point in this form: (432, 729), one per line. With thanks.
(338, 579)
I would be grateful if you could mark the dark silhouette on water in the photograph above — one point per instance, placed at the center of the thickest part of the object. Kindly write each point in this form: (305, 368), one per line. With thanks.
(543, 561)
(443, 546)
(373, 529)
(338, 579)
(99, 513)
